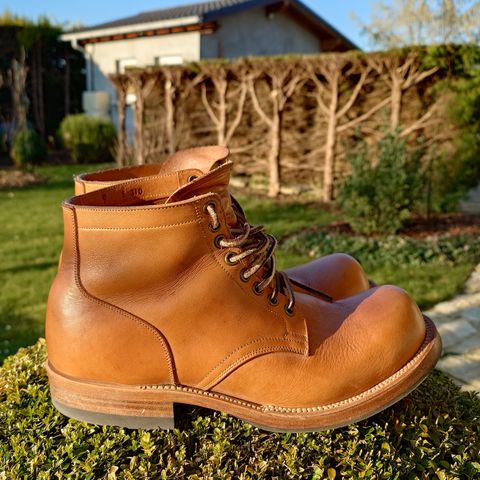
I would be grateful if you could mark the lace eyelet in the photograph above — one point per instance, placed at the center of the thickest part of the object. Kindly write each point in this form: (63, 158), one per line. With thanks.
(288, 311)
(191, 178)
(218, 240)
(228, 259)
(214, 229)
(272, 301)
(255, 289)
(242, 276)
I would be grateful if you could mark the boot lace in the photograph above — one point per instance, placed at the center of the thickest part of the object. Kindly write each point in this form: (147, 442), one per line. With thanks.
(259, 247)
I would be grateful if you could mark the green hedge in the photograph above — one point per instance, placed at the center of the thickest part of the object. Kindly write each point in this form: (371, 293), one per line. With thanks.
(396, 250)
(434, 433)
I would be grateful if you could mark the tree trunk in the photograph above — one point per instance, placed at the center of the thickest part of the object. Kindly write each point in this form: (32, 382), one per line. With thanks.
(274, 155)
(67, 86)
(139, 124)
(396, 103)
(221, 88)
(18, 78)
(170, 116)
(330, 144)
(38, 81)
(329, 162)
(122, 130)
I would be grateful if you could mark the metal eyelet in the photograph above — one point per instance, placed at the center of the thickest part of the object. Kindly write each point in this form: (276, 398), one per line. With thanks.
(242, 276)
(214, 229)
(209, 204)
(191, 178)
(288, 311)
(255, 289)
(217, 240)
(272, 301)
(228, 259)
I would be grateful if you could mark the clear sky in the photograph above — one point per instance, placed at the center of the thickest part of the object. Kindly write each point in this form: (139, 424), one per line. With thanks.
(90, 12)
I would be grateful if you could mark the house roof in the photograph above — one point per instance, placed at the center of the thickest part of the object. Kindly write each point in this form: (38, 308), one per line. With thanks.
(192, 10)
(209, 11)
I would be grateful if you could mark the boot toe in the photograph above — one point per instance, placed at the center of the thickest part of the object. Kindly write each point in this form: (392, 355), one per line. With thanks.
(393, 331)
(338, 275)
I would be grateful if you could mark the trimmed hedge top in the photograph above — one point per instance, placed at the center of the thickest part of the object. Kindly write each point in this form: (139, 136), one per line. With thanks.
(432, 433)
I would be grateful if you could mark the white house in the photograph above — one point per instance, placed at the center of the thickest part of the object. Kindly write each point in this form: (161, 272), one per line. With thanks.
(214, 29)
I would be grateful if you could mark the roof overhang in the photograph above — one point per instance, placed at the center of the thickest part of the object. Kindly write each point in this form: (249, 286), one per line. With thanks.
(126, 29)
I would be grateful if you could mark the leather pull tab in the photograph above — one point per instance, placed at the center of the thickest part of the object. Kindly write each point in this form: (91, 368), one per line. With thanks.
(204, 159)
(215, 181)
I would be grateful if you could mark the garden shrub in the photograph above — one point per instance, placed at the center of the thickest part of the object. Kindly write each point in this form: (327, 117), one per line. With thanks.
(28, 148)
(89, 139)
(454, 173)
(392, 250)
(379, 196)
(433, 433)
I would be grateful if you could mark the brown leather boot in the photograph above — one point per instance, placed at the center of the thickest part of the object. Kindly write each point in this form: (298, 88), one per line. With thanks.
(337, 275)
(159, 301)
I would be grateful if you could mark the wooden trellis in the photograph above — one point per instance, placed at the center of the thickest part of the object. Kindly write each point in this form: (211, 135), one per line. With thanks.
(284, 117)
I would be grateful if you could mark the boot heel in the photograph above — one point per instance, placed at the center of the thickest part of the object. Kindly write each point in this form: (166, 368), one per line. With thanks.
(126, 421)
(126, 406)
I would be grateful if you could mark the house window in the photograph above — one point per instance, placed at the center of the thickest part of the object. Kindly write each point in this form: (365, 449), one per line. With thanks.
(169, 60)
(124, 63)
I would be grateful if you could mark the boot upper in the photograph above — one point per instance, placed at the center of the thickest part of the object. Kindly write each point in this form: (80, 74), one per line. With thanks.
(146, 294)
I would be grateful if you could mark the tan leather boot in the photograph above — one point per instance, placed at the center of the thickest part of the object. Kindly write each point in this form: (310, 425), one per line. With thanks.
(337, 275)
(159, 301)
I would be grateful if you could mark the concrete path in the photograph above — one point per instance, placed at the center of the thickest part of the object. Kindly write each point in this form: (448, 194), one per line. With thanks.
(458, 321)
(471, 204)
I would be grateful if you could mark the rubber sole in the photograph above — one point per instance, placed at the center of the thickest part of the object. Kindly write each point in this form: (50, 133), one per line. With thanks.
(151, 406)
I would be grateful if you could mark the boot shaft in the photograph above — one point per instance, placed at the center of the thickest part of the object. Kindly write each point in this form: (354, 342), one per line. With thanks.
(133, 257)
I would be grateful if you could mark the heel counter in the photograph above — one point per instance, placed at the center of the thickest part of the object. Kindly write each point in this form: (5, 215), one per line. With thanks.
(91, 339)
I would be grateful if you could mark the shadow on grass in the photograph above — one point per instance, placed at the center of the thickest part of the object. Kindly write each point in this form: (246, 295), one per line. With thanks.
(29, 267)
(16, 330)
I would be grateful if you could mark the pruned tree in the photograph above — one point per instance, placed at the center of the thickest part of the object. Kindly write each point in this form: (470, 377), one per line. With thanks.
(143, 83)
(173, 79)
(400, 74)
(121, 84)
(225, 109)
(178, 85)
(338, 81)
(17, 79)
(282, 79)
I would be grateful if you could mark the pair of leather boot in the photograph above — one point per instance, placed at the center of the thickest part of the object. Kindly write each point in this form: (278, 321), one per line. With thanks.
(166, 294)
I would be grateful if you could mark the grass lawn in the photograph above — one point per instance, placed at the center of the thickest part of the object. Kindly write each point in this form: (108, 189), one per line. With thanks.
(31, 239)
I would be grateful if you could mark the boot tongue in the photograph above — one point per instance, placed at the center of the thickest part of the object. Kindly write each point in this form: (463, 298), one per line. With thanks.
(215, 181)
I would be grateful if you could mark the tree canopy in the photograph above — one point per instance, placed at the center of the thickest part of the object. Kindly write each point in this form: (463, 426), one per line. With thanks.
(400, 23)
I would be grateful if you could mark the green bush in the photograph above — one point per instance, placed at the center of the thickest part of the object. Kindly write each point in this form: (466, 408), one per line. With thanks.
(28, 148)
(389, 250)
(433, 433)
(89, 139)
(380, 196)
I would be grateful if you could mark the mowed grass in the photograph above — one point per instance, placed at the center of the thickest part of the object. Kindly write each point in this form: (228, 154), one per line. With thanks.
(31, 239)
(31, 236)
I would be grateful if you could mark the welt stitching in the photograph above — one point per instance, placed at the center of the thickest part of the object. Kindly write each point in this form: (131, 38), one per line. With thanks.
(251, 342)
(156, 227)
(142, 323)
(321, 408)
